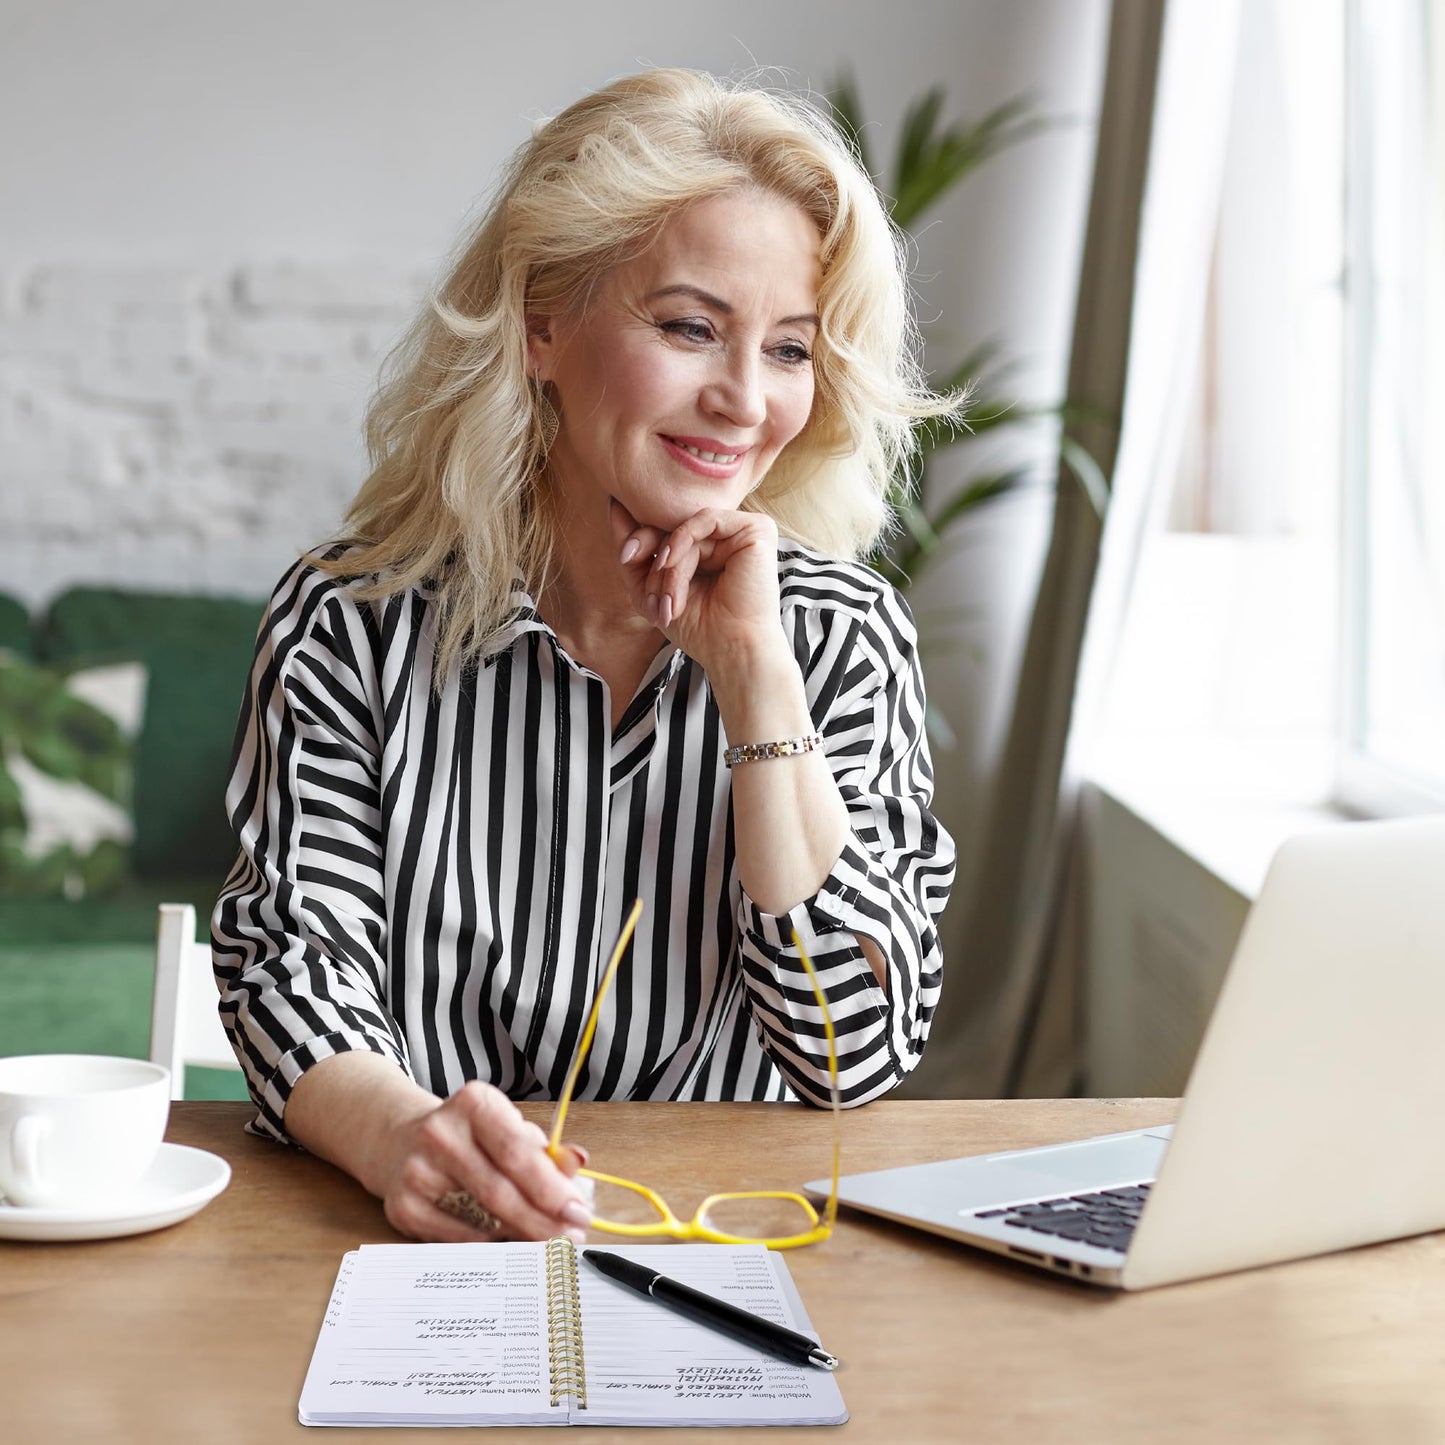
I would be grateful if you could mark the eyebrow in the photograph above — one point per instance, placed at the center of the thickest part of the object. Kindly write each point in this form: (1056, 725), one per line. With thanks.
(724, 308)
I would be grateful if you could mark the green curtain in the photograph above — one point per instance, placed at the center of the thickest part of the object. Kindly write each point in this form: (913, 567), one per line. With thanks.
(991, 978)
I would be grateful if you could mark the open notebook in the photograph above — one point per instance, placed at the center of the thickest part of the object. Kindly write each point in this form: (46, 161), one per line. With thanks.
(518, 1334)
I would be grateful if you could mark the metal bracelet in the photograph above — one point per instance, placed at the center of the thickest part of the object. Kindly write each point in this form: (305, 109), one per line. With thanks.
(786, 748)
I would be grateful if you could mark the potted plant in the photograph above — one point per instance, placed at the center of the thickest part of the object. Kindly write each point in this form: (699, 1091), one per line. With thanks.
(932, 159)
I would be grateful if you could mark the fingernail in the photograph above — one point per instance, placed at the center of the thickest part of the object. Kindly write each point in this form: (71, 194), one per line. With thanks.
(575, 1212)
(580, 1150)
(666, 610)
(631, 549)
(662, 557)
(577, 1236)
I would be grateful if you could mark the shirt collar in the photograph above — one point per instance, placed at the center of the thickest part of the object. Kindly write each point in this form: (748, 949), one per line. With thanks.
(524, 620)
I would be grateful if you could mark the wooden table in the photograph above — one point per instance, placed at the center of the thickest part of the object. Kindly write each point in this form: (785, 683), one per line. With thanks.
(202, 1332)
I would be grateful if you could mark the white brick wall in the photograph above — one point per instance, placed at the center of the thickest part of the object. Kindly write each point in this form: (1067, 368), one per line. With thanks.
(165, 428)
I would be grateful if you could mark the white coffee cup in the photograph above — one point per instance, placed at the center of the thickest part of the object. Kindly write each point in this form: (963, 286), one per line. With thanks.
(78, 1131)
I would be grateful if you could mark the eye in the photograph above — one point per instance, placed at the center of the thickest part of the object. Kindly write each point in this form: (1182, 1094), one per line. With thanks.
(793, 353)
(688, 328)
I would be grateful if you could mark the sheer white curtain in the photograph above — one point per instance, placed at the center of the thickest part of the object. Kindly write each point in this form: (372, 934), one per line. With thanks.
(1176, 244)
(1007, 1020)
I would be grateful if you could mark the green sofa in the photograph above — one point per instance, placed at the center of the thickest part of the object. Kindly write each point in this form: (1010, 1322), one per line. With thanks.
(76, 975)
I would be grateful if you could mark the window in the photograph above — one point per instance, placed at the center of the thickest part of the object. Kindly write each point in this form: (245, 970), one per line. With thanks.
(1285, 639)
(1393, 577)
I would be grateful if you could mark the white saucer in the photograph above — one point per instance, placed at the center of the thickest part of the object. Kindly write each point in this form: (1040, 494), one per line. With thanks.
(180, 1182)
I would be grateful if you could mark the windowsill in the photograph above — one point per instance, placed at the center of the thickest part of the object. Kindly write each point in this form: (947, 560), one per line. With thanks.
(1226, 805)
(1218, 725)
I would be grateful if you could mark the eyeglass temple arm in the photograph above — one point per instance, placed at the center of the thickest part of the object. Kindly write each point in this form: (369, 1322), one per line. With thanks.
(619, 948)
(830, 1213)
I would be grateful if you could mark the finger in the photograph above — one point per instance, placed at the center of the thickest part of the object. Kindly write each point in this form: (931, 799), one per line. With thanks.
(523, 1185)
(451, 1152)
(636, 544)
(520, 1218)
(640, 549)
(706, 543)
(639, 558)
(437, 1226)
(714, 523)
(522, 1158)
(424, 1218)
(682, 551)
(708, 540)
(414, 1208)
(670, 580)
(569, 1158)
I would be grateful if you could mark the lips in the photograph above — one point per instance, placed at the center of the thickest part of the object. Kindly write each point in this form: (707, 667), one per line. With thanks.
(709, 450)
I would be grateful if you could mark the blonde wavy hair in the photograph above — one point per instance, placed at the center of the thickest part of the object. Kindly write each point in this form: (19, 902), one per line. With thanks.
(456, 496)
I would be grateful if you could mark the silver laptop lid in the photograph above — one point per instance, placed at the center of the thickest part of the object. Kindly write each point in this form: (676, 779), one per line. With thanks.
(1312, 1115)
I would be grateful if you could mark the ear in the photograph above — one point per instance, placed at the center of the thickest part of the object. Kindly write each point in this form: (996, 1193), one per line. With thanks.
(541, 350)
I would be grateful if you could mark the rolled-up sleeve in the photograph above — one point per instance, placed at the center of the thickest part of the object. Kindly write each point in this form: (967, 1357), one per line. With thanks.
(890, 882)
(298, 936)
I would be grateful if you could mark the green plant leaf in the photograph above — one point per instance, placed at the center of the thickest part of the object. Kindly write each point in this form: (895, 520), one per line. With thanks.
(932, 159)
(983, 361)
(979, 491)
(982, 490)
(1085, 413)
(916, 523)
(939, 730)
(937, 164)
(916, 142)
(12, 804)
(1082, 466)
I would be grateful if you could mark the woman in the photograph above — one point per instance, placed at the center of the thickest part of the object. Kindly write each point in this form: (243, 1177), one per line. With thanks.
(657, 399)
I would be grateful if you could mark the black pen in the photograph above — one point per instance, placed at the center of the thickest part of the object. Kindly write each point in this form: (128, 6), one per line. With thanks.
(716, 1314)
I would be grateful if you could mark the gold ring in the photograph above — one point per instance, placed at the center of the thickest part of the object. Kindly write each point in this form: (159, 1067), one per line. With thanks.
(460, 1204)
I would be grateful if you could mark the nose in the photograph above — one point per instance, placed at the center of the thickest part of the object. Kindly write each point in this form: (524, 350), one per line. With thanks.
(736, 391)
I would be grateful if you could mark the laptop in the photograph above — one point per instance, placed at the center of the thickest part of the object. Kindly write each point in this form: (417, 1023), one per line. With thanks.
(1311, 1120)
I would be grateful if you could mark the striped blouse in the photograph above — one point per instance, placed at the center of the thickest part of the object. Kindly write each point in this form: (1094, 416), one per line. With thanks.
(439, 875)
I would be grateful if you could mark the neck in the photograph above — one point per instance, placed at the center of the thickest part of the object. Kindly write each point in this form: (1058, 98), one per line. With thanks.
(586, 603)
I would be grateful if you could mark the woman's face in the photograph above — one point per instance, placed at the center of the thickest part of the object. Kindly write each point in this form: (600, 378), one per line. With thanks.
(692, 367)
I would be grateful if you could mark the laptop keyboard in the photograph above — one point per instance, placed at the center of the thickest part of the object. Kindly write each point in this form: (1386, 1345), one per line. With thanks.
(1105, 1217)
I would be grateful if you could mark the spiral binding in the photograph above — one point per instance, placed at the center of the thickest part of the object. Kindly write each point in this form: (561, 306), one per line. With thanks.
(564, 1324)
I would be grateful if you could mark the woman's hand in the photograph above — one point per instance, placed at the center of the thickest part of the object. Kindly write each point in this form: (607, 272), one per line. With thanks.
(710, 585)
(365, 1115)
(478, 1142)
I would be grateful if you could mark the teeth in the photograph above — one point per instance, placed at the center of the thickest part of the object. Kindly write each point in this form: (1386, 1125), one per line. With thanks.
(723, 457)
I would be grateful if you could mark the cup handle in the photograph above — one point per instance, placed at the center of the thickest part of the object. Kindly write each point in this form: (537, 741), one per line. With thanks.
(25, 1139)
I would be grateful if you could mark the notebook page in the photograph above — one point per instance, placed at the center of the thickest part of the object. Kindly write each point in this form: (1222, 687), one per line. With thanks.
(648, 1363)
(446, 1333)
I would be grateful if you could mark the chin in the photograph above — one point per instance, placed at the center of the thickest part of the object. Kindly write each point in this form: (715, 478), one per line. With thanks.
(666, 512)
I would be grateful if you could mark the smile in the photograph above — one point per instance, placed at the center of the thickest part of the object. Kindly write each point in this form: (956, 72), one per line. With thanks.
(707, 451)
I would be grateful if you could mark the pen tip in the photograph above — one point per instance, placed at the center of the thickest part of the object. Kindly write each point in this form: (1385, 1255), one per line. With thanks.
(822, 1359)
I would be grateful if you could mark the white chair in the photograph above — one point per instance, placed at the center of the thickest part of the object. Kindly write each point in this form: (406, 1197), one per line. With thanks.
(185, 1027)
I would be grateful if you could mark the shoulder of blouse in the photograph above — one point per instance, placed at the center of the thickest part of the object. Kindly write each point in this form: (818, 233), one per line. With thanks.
(306, 588)
(313, 613)
(840, 589)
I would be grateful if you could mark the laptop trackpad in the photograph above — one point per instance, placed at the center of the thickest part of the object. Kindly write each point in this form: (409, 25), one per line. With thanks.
(1069, 1168)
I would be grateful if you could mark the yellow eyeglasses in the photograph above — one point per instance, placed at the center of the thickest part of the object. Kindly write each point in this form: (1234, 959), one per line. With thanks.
(779, 1219)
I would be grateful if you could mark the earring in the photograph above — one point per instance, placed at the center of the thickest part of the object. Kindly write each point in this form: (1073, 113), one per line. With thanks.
(547, 419)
